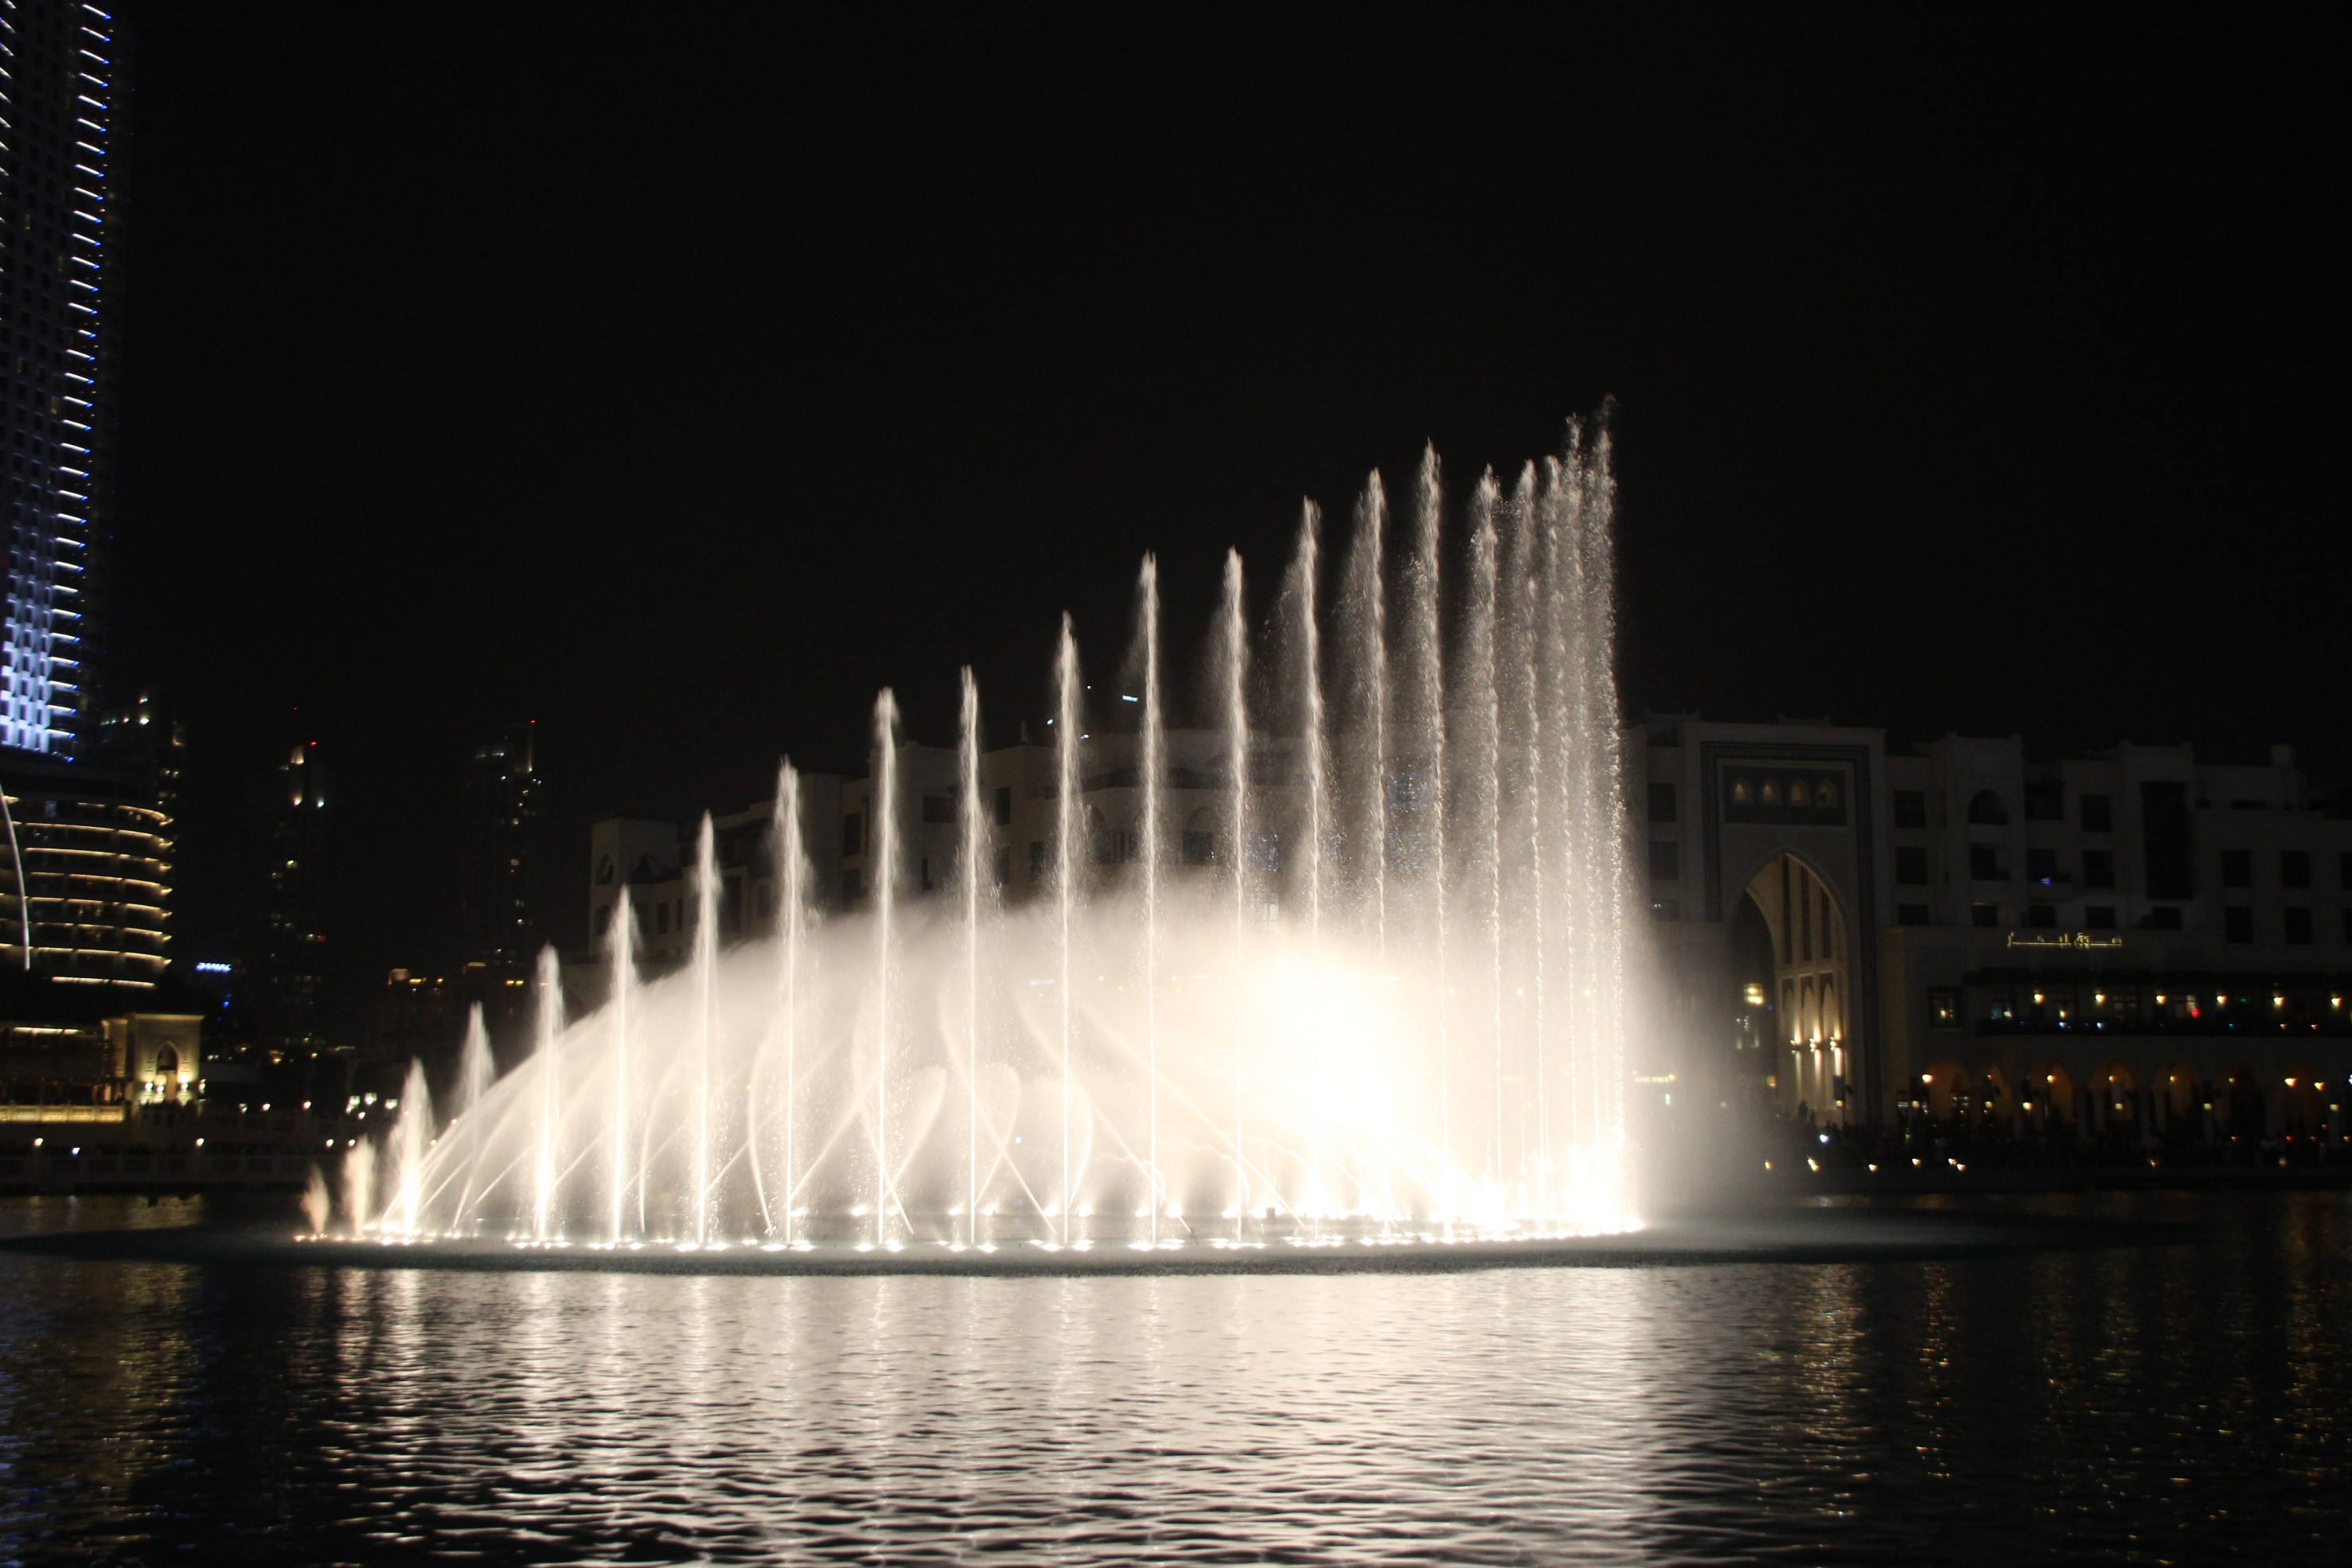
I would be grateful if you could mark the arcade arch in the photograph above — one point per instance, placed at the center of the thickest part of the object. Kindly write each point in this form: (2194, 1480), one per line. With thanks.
(1809, 953)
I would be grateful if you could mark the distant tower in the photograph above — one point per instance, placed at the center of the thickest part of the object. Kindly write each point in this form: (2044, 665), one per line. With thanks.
(63, 72)
(282, 953)
(497, 919)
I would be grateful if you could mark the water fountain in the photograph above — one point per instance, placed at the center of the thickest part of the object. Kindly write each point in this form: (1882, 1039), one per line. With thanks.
(1379, 999)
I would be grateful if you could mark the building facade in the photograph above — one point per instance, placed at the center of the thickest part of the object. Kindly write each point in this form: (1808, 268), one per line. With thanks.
(63, 79)
(2137, 942)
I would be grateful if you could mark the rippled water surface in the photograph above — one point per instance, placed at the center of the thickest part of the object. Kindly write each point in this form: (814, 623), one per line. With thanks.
(2186, 1403)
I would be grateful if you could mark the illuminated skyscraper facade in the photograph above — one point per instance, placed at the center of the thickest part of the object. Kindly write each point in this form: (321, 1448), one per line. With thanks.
(62, 71)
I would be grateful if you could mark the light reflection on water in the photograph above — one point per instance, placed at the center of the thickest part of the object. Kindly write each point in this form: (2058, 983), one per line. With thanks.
(2126, 1404)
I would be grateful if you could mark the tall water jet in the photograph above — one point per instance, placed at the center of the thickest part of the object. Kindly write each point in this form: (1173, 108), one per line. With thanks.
(975, 856)
(476, 1071)
(1364, 653)
(1309, 569)
(1065, 876)
(885, 891)
(1605, 876)
(1486, 711)
(1526, 534)
(1237, 744)
(547, 1033)
(412, 1136)
(1568, 792)
(705, 1016)
(1155, 772)
(792, 927)
(1427, 738)
(623, 1003)
(1306, 569)
(359, 1184)
(318, 1203)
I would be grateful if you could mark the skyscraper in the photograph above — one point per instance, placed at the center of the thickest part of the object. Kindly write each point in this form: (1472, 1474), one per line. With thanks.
(497, 917)
(282, 951)
(86, 861)
(63, 68)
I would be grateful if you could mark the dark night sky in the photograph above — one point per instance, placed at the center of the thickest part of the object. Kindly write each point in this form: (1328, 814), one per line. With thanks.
(677, 376)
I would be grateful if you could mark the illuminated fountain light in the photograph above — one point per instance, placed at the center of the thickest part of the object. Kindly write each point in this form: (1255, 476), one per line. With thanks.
(1389, 1009)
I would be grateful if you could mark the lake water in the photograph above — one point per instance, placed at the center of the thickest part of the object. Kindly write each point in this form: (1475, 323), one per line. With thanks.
(2182, 1403)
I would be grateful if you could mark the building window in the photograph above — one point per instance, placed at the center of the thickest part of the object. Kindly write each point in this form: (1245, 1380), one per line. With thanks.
(1200, 846)
(2046, 800)
(853, 833)
(1986, 809)
(1984, 914)
(2296, 921)
(1911, 865)
(2098, 917)
(2042, 916)
(1036, 858)
(661, 920)
(927, 859)
(2042, 866)
(1910, 914)
(1984, 863)
(2163, 917)
(852, 888)
(1943, 1007)
(1665, 860)
(2237, 869)
(1910, 808)
(1661, 803)
(2238, 923)
(2098, 868)
(2098, 814)
(1004, 806)
(1003, 865)
(2295, 867)
(938, 808)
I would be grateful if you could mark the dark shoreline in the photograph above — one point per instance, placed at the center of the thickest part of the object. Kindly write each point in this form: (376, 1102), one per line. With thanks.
(1799, 1233)
(1834, 1181)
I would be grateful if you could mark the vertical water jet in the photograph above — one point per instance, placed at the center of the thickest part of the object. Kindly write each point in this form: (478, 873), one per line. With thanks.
(975, 849)
(412, 1136)
(1237, 744)
(623, 1005)
(1525, 598)
(1306, 570)
(886, 891)
(1364, 649)
(1488, 696)
(1155, 771)
(1429, 741)
(475, 1072)
(1066, 874)
(792, 925)
(705, 1016)
(547, 1029)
